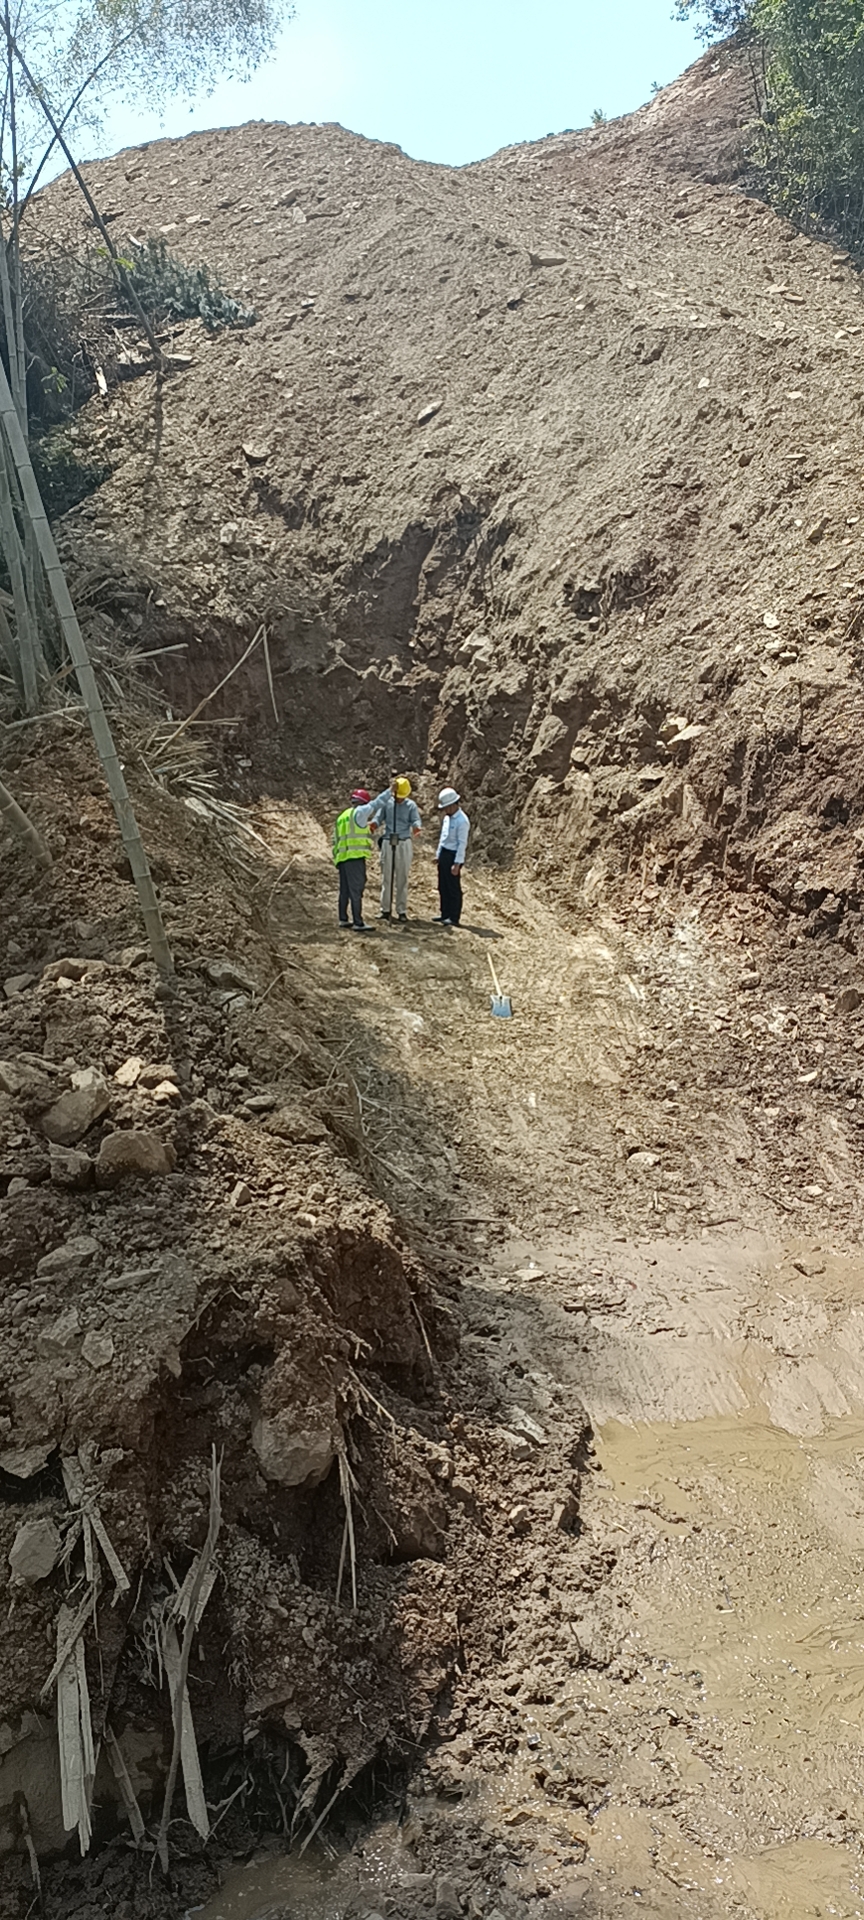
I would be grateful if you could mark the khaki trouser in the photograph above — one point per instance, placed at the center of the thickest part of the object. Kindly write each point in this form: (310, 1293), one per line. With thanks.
(404, 852)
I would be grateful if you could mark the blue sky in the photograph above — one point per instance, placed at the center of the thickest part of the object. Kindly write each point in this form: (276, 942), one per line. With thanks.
(449, 81)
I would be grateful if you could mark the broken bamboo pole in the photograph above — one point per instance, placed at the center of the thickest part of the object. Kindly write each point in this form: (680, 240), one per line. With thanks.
(204, 1559)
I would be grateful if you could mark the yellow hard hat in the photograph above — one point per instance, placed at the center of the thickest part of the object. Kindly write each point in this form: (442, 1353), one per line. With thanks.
(402, 787)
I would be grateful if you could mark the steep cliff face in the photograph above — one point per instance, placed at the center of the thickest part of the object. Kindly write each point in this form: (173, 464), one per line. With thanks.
(529, 468)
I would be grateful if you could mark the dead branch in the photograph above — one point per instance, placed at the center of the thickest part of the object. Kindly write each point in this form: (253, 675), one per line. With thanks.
(211, 696)
(194, 1592)
(17, 821)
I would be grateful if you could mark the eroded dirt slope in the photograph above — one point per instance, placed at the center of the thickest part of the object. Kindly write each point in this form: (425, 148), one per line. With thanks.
(518, 461)
(543, 475)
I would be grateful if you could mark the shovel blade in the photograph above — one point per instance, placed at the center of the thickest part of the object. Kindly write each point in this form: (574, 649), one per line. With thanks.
(501, 1006)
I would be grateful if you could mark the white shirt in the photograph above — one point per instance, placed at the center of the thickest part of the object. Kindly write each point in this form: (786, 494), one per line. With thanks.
(455, 828)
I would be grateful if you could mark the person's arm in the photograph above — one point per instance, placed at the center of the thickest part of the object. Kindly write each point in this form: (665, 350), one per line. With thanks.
(363, 815)
(416, 822)
(463, 828)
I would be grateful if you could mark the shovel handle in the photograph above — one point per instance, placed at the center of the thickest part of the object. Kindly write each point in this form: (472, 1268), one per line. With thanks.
(495, 979)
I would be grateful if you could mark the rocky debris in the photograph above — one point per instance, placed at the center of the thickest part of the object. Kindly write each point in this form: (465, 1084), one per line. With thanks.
(68, 1260)
(517, 1444)
(520, 1517)
(70, 1167)
(35, 1551)
(226, 974)
(641, 1160)
(128, 1074)
(77, 1110)
(565, 1513)
(294, 1457)
(428, 413)
(17, 1078)
(62, 1333)
(24, 1462)
(448, 1903)
(134, 1154)
(97, 1348)
(18, 983)
(240, 1195)
(849, 999)
(522, 1422)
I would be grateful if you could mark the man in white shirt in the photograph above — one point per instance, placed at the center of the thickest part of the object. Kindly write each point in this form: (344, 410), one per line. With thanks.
(452, 847)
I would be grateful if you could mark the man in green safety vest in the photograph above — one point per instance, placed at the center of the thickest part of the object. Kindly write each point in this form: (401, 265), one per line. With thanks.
(352, 843)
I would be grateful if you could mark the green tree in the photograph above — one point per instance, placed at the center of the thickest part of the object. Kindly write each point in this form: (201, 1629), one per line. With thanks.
(715, 19)
(808, 142)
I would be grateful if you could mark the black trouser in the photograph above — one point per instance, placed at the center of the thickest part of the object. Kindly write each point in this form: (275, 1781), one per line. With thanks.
(449, 887)
(352, 880)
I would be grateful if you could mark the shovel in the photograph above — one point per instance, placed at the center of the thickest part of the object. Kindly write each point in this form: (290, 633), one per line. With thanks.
(500, 1001)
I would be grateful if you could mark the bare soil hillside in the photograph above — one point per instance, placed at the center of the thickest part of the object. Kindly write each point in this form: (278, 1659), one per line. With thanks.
(544, 476)
(518, 461)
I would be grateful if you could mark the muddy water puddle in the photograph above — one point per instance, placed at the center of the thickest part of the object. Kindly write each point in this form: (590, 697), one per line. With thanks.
(752, 1608)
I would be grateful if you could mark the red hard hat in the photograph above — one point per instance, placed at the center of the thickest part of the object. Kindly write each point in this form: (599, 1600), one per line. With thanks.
(361, 794)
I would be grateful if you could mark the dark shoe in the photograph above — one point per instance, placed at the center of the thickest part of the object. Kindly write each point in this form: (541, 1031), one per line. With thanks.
(383, 916)
(446, 923)
(438, 920)
(344, 924)
(403, 917)
(360, 927)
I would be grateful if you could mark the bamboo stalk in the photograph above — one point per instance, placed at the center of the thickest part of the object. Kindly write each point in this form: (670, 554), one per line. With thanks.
(14, 560)
(17, 822)
(10, 654)
(103, 737)
(204, 1560)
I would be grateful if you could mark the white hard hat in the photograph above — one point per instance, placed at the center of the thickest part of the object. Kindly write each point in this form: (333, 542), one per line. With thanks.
(448, 797)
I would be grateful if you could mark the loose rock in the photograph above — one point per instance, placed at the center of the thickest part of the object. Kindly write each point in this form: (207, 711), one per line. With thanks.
(75, 1112)
(294, 1459)
(62, 1333)
(35, 1551)
(18, 983)
(134, 1155)
(448, 1905)
(128, 1074)
(66, 1261)
(71, 1167)
(226, 973)
(98, 1348)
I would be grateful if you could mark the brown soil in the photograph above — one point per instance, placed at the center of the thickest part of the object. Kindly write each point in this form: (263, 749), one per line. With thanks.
(579, 1293)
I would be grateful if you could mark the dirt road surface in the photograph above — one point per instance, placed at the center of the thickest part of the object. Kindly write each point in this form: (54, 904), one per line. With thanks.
(695, 1726)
